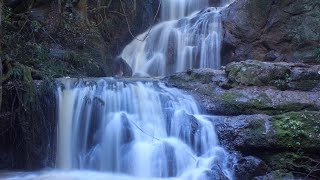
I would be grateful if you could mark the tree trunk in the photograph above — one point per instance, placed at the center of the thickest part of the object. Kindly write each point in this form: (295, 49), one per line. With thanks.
(98, 4)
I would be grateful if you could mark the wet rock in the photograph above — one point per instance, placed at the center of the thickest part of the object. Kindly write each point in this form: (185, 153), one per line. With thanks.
(121, 68)
(250, 167)
(271, 31)
(235, 132)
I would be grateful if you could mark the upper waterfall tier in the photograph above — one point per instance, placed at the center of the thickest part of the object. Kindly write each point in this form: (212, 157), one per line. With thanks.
(142, 129)
(185, 39)
(176, 9)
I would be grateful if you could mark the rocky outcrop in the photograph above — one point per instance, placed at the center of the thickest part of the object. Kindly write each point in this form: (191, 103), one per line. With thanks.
(260, 110)
(283, 76)
(271, 30)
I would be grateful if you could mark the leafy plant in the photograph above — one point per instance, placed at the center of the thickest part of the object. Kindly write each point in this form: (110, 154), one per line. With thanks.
(6, 15)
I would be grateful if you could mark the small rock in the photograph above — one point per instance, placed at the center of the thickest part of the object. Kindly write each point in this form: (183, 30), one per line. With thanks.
(250, 167)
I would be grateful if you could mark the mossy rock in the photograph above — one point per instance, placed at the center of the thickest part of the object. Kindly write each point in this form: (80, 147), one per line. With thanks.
(297, 130)
(294, 131)
(256, 73)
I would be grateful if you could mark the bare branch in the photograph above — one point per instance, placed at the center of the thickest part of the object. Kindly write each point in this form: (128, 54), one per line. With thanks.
(128, 24)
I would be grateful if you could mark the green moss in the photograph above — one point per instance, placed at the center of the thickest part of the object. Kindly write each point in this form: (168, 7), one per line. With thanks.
(297, 129)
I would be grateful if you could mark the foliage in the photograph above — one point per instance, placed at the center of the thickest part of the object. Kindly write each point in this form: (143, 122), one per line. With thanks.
(6, 15)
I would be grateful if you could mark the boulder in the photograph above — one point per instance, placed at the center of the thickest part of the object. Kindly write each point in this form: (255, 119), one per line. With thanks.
(121, 68)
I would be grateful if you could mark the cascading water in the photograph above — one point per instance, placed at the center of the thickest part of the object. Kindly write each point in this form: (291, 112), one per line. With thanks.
(142, 129)
(179, 42)
(130, 129)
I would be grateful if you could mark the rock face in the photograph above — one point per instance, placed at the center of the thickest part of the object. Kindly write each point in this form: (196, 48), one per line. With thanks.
(260, 110)
(271, 30)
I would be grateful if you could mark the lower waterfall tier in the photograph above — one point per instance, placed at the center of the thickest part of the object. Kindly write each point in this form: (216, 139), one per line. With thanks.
(142, 129)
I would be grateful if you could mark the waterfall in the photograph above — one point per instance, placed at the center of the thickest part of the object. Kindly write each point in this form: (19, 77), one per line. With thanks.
(175, 9)
(186, 38)
(138, 128)
(129, 129)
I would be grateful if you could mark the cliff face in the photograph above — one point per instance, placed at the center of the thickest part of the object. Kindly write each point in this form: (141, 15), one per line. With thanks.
(272, 31)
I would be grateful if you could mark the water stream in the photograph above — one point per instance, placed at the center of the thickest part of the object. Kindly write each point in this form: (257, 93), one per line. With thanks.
(141, 129)
(185, 38)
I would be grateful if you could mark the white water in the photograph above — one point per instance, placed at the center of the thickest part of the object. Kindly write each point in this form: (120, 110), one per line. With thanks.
(141, 129)
(185, 39)
(121, 130)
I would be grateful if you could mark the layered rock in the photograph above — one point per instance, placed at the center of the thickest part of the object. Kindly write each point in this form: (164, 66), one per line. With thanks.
(283, 76)
(253, 87)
